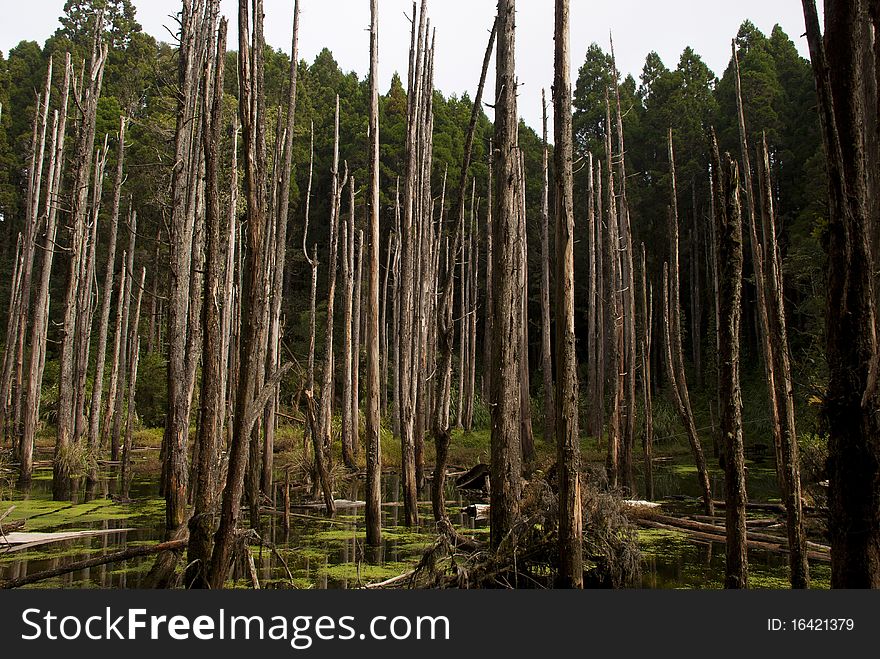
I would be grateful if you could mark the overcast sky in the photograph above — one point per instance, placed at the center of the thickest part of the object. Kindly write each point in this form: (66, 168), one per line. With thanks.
(639, 26)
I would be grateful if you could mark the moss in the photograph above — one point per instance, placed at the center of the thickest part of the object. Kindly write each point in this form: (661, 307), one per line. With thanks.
(350, 571)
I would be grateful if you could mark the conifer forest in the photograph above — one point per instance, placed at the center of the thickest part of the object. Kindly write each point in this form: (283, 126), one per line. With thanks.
(267, 323)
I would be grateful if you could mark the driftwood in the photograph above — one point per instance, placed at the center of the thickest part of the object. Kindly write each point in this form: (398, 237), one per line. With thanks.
(115, 557)
(23, 541)
(475, 479)
(713, 533)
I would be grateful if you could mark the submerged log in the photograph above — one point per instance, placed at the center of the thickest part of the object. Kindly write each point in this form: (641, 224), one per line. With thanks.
(134, 552)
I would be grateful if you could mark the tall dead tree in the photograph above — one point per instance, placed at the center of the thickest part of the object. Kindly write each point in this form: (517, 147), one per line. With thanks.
(375, 378)
(273, 360)
(446, 287)
(853, 398)
(527, 437)
(86, 96)
(211, 399)
(506, 455)
(546, 355)
(729, 256)
(356, 345)
(409, 267)
(647, 384)
(672, 340)
(629, 305)
(571, 574)
(347, 273)
(197, 21)
(38, 339)
(122, 362)
(134, 345)
(774, 344)
(797, 539)
(106, 298)
(254, 303)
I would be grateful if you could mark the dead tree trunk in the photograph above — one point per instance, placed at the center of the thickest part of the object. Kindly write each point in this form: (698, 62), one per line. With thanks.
(347, 295)
(506, 454)
(254, 302)
(211, 399)
(571, 573)
(797, 540)
(134, 345)
(103, 328)
(41, 303)
(527, 438)
(446, 287)
(273, 361)
(128, 269)
(729, 255)
(197, 23)
(87, 101)
(375, 380)
(672, 336)
(356, 346)
(647, 393)
(851, 402)
(546, 355)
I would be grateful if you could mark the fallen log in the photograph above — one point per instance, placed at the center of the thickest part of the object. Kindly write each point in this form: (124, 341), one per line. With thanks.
(475, 479)
(23, 541)
(116, 557)
(718, 534)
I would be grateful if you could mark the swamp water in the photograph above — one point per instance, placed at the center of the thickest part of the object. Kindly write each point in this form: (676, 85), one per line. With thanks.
(330, 553)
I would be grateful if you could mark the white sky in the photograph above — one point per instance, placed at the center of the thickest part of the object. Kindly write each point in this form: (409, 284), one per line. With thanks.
(639, 26)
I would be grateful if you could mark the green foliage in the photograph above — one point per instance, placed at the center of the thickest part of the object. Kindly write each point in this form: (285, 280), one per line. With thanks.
(151, 395)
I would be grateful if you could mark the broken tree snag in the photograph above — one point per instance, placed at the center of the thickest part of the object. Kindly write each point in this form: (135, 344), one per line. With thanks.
(571, 573)
(181, 229)
(86, 96)
(527, 437)
(347, 299)
(122, 378)
(273, 360)
(729, 253)
(41, 303)
(506, 456)
(253, 300)
(446, 286)
(375, 376)
(853, 398)
(134, 346)
(546, 355)
(201, 525)
(103, 327)
(356, 346)
(790, 465)
(647, 395)
(672, 339)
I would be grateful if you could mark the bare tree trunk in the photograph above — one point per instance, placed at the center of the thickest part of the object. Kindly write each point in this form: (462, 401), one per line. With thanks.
(103, 328)
(797, 540)
(273, 361)
(647, 394)
(375, 382)
(546, 355)
(87, 102)
(627, 282)
(41, 304)
(488, 333)
(211, 399)
(729, 254)
(327, 384)
(506, 454)
(347, 294)
(771, 313)
(197, 23)
(527, 437)
(571, 573)
(851, 341)
(446, 286)
(674, 357)
(124, 349)
(134, 344)
(408, 273)
(356, 347)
